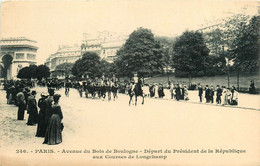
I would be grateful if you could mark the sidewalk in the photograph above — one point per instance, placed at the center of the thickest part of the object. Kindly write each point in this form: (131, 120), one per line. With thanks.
(245, 101)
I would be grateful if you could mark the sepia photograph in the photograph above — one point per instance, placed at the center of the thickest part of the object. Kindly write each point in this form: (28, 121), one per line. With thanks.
(129, 82)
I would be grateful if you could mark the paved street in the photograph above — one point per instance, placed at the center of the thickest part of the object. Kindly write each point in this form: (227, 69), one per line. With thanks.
(158, 124)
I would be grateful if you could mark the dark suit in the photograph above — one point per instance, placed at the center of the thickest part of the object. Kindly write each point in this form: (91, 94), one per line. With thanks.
(200, 93)
(32, 111)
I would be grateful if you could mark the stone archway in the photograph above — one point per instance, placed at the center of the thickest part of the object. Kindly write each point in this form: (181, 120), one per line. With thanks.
(7, 68)
(1, 71)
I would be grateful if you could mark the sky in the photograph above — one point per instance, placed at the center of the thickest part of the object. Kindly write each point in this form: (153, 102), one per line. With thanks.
(54, 23)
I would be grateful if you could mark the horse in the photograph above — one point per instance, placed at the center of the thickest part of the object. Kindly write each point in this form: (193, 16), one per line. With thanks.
(114, 89)
(135, 90)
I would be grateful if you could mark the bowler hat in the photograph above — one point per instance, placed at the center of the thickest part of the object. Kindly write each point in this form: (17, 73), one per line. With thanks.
(34, 92)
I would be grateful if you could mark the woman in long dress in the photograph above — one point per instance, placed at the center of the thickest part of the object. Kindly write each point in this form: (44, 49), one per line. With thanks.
(41, 128)
(186, 93)
(53, 134)
(32, 109)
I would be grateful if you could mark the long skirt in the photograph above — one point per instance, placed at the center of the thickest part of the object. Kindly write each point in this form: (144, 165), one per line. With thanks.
(9, 100)
(21, 109)
(53, 133)
(33, 117)
(41, 128)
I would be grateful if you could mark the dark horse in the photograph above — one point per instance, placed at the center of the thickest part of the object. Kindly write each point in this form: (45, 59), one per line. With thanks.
(135, 90)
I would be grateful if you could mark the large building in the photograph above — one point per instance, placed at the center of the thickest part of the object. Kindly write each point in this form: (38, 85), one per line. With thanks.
(16, 53)
(105, 44)
(65, 54)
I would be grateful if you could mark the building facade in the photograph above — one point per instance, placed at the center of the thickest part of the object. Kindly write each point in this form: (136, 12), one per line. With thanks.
(16, 53)
(65, 54)
(105, 44)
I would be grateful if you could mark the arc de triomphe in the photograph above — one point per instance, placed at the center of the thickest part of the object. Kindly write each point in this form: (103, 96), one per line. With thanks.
(16, 53)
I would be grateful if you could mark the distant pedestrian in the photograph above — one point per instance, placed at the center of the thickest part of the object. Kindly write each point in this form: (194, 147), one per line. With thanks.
(156, 94)
(182, 92)
(207, 94)
(234, 96)
(252, 87)
(211, 94)
(200, 89)
(151, 90)
(67, 88)
(178, 92)
(114, 89)
(109, 89)
(26, 93)
(161, 91)
(171, 87)
(219, 94)
(21, 105)
(225, 96)
(186, 93)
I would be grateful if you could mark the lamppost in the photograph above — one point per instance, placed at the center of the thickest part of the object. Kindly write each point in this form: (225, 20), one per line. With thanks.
(227, 60)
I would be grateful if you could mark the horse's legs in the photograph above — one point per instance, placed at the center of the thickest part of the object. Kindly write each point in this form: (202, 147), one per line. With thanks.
(135, 99)
(130, 99)
(114, 95)
(143, 99)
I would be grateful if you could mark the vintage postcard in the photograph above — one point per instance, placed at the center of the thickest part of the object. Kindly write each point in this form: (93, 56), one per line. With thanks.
(129, 82)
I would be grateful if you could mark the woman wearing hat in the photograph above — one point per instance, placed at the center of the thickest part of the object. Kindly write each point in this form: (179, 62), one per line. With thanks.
(32, 109)
(53, 133)
(234, 96)
(41, 128)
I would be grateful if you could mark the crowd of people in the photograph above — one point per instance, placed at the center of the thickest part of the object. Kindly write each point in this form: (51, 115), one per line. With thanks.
(179, 91)
(103, 88)
(48, 119)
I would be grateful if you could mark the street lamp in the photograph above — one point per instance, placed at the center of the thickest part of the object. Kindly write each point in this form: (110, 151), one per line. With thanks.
(227, 60)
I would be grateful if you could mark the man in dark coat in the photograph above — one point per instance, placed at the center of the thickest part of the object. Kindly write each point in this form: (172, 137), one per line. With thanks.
(207, 94)
(252, 87)
(32, 109)
(219, 94)
(21, 105)
(26, 93)
(178, 92)
(200, 92)
(211, 94)
(182, 92)
(160, 91)
(151, 90)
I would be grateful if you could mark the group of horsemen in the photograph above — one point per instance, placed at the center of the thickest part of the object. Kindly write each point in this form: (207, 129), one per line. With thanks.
(96, 88)
(104, 87)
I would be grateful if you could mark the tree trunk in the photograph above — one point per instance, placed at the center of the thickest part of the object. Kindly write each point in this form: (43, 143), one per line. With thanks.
(189, 78)
(238, 79)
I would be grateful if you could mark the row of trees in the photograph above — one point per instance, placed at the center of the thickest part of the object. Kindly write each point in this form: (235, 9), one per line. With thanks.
(193, 53)
(34, 71)
(90, 65)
